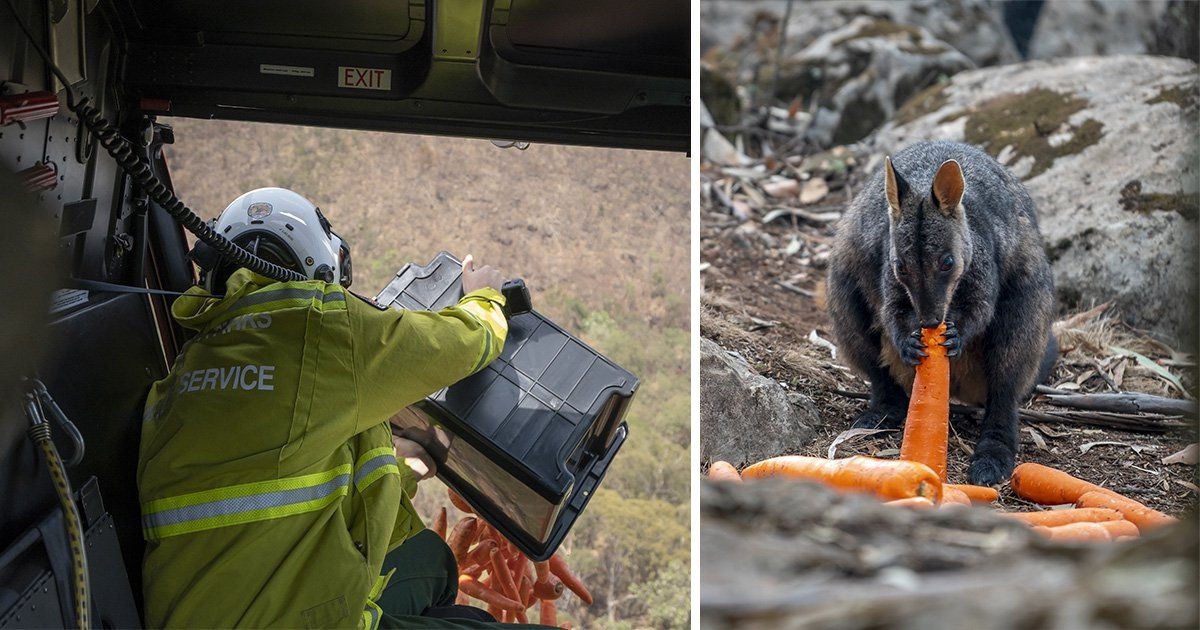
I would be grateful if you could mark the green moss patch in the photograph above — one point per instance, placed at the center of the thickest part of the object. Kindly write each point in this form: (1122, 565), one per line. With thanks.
(1179, 95)
(1026, 120)
(924, 102)
(1134, 200)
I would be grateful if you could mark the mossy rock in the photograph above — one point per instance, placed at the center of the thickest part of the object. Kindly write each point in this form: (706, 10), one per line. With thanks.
(1027, 121)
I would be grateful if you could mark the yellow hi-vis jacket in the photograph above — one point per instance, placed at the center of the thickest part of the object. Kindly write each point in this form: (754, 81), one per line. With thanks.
(269, 486)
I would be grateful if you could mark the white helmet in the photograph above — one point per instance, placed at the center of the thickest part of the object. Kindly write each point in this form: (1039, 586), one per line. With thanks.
(284, 228)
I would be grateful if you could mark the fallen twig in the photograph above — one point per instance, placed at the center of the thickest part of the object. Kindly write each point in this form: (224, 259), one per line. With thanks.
(1128, 402)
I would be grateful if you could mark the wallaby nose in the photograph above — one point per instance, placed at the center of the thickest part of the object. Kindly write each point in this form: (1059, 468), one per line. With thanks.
(930, 324)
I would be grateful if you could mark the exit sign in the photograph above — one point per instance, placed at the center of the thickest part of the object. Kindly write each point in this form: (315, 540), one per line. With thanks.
(364, 78)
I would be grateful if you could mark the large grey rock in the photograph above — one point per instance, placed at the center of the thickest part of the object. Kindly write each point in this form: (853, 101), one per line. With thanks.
(974, 27)
(1073, 28)
(744, 416)
(786, 554)
(861, 73)
(1108, 149)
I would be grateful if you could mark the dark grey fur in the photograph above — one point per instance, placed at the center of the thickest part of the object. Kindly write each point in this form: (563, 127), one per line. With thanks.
(999, 292)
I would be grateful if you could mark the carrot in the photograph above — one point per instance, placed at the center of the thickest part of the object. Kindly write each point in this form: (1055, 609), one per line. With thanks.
(500, 569)
(1053, 518)
(459, 502)
(460, 539)
(542, 569)
(886, 478)
(977, 494)
(470, 586)
(461, 599)
(723, 471)
(472, 570)
(559, 568)
(1074, 531)
(525, 588)
(550, 589)
(521, 617)
(954, 496)
(439, 524)
(547, 615)
(481, 553)
(1145, 518)
(927, 427)
(1124, 529)
(1049, 486)
(917, 503)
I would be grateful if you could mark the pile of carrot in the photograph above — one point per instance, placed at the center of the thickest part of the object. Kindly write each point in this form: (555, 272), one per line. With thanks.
(492, 570)
(918, 479)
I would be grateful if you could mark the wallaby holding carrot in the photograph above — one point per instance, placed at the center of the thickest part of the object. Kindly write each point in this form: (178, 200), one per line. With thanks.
(943, 232)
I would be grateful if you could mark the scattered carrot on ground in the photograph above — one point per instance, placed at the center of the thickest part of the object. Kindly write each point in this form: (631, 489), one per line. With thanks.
(977, 494)
(927, 427)
(1053, 518)
(889, 479)
(723, 471)
(1144, 517)
(1074, 531)
(1049, 486)
(954, 496)
(919, 503)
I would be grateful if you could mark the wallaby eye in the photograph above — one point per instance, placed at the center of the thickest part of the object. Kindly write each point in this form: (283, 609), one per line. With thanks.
(947, 262)
(901, 270)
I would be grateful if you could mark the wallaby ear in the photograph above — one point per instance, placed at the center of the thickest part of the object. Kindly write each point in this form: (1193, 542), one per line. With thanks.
(948, 187)
(894, 186)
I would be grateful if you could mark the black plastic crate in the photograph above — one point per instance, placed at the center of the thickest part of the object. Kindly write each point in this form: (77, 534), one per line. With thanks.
(527, 439)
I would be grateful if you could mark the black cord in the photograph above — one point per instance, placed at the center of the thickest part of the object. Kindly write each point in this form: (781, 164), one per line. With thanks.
(139, 171)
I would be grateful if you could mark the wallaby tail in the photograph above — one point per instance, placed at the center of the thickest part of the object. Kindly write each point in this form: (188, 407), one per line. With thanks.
(1048, 360)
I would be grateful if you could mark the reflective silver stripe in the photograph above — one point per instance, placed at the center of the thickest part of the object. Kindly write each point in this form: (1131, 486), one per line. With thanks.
(275, 295)
(373, 618)
(373, 464)
(237, 505)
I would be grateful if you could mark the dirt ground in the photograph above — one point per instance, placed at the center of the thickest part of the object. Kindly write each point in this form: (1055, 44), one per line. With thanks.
(763, 295)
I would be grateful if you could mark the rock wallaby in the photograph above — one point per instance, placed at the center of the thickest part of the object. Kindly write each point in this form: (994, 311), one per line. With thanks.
(945, 233)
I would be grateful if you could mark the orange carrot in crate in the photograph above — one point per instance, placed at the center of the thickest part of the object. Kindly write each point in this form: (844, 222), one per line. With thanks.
(476, 589)
(526, 590)
(919, 503)
(481, 553)
(460, 539)
(977, 494)
(890, 479)
(559, 568)
(1054, 518)
(459, 502)
(954, 496)
(723, 471)
(505, 585)
(1145, 518)
(439, 524)
(1075, 531)
(547, 614)
(1049, 486)
(542, 569)
(927, 427)
(521, 617)
(550, 589)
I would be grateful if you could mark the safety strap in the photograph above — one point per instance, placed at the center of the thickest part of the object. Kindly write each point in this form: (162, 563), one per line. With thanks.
(108, 287)
(374, 464)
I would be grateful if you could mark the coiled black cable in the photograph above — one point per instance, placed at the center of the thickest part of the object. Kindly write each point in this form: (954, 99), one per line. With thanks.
(139, 171)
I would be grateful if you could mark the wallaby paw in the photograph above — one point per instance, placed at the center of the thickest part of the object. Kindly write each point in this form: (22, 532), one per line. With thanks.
(992, 463)
(952, 342)
(912, 349)
(881, 417)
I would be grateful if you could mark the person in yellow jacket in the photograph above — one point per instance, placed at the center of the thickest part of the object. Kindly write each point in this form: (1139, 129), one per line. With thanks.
(273, 492)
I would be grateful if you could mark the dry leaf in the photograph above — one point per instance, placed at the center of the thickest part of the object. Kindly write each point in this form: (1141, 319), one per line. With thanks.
(793, 247)
(888, 452)
(816, 340)
(1037, 438)
(851, 434)
(741, 209)
(1189, 485)
(1084, 448)
(1186, 456)
(813, 190)
(782, 188)
(1048, 431)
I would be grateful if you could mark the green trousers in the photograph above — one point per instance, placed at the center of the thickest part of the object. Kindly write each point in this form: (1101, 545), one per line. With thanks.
(425, 583)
